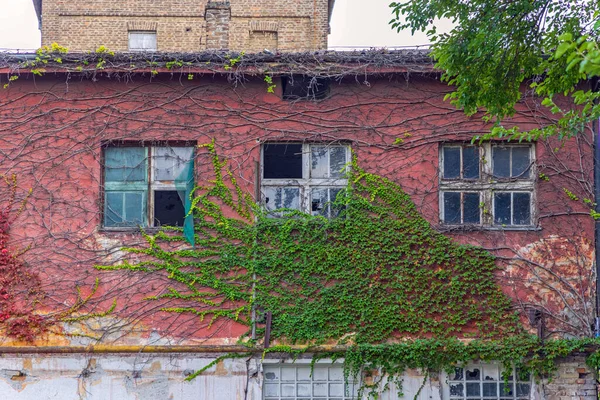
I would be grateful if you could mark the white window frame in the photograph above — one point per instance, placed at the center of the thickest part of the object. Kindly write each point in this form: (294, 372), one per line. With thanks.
(151, 185)
(306, 183)
(143, 49)
(487, 185)
(447, 381)
(353, 386)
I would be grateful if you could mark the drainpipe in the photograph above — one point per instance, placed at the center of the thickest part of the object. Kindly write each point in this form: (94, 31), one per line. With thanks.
(596, 131)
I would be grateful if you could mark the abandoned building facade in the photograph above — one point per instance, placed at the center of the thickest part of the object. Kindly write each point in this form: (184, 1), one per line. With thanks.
(103, 150)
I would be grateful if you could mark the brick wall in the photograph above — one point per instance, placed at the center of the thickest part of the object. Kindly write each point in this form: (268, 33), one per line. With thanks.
(573, 381)
(189, 26)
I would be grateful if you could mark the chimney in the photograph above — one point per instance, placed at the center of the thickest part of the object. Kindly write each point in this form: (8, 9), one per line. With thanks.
(217, 15)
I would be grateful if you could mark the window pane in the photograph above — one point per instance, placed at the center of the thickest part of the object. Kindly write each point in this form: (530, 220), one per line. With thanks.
(490, 389)
(501, 160)
(452, 207)
(520, 162)
(170, 163)
(521, 208)
(319, 202)
(125, 164)
(319, 162)
(458, 374)
(142, 41)
(273, 197)
(471, 162)
(134, 208)
(471, 208)
(124, 209)
(451, 162)
(113, 209)
(473, 389)
(502, 208)
(282, 161)
(291, 198)
(333, 196)
(168, 208)
(337, 156)
(506, 389)
(456, 389)
(523, 389)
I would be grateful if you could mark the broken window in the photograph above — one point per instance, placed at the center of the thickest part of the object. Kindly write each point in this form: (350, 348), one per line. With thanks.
(297, 381)
(140, 41)
(303, 177)
(486, 381)
(299, 87)
(146, 186)
(475, 191)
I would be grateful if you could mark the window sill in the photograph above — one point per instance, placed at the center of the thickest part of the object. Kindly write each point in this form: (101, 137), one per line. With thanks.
(137, 229)
(485, 228)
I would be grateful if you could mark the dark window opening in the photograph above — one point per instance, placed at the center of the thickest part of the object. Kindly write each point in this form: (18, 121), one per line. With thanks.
(304, 88)
(282, 161)
(168, 208)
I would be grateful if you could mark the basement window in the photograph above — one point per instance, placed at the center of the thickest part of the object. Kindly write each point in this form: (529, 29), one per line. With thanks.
(147, 186)
(323, 382)
(491, 185)
(140, 41)
(303, 177)
(486, 381)
(304, 87)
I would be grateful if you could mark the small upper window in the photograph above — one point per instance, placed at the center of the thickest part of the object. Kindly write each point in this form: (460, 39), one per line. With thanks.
(146, 186)
(304, 87)
(142, 41)
(303, 177)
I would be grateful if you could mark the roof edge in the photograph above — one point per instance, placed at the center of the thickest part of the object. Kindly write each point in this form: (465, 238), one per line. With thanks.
(333, 64)
(37, 4)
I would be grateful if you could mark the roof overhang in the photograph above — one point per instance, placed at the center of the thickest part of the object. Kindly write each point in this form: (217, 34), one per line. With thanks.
(332, 64)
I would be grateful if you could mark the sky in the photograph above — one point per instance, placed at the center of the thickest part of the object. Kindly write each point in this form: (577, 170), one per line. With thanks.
(352, 25)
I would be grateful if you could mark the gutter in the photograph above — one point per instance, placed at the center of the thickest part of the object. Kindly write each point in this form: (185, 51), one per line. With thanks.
(108, 349)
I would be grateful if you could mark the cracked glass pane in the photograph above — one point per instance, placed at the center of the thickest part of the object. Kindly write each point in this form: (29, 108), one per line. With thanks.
(456, 389)
(473, 374)
(458, 374)
(319, 162)
(320, 204)
(337, 157)
(451, 162)
(291, 198)
(273, 196)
